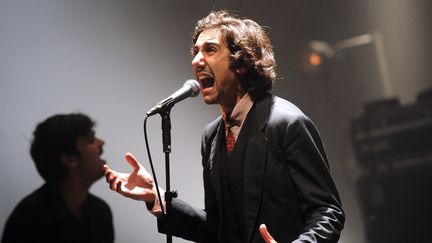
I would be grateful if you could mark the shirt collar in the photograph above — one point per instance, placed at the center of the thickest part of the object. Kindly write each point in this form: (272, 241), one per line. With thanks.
(238, 114)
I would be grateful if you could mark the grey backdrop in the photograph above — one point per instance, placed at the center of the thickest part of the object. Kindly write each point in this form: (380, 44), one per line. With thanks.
(114, 59)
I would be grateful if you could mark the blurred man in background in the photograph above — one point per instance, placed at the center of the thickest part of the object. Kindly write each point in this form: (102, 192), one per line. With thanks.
(67, 156)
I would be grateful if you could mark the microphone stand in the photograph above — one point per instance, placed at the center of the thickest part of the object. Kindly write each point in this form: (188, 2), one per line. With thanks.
(166, 140)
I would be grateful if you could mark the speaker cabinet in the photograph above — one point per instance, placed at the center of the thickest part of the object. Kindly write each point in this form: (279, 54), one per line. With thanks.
(397, 204)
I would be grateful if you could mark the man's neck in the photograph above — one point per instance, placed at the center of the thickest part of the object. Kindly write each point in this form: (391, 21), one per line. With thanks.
(74, 194)
(227, 107)
(238, 114)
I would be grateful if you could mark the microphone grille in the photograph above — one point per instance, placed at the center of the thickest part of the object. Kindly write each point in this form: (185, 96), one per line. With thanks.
(194, 85)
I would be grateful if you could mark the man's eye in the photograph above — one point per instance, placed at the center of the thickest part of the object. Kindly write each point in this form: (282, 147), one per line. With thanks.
(194, 52)
(210, 49)
(91, 139)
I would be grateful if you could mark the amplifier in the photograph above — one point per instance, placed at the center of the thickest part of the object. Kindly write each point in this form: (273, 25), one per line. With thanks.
(395, 204)
(388, 132)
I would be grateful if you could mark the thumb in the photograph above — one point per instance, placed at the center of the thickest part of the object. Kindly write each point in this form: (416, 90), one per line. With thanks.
(132, 161)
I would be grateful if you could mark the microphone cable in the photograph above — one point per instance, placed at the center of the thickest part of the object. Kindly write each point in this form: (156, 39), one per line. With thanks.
(152, 168)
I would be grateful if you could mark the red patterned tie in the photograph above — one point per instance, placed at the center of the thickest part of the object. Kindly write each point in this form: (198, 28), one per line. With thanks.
(230, 140)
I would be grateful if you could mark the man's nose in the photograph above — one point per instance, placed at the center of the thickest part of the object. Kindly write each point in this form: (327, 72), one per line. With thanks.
(102, 142)
(198, 61)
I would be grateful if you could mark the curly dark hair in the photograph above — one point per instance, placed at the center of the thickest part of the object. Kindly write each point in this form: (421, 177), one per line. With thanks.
(249, 45)
(54, 137)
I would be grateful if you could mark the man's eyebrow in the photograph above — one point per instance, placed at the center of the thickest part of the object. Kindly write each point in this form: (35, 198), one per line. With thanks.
(212, 42)
(207, 43)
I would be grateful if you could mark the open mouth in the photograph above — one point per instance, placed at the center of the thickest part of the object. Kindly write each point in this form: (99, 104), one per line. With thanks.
(207, 82)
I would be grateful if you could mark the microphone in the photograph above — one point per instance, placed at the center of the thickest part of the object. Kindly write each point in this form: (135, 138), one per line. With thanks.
(190, 89)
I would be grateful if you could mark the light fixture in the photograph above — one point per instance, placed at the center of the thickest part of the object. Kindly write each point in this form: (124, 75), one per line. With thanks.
(321, 51)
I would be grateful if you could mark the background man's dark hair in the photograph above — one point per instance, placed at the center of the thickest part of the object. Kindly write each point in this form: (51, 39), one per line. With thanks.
(55, 136)
(250, 48)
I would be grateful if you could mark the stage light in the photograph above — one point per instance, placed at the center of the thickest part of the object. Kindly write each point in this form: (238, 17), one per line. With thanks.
(315, 59)
(319, 52)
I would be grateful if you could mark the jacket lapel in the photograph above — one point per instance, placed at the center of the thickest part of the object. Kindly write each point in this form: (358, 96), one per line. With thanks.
(255, 163)
(214, 157)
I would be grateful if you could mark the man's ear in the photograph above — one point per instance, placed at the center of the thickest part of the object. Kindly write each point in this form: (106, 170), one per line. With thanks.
(69, 161)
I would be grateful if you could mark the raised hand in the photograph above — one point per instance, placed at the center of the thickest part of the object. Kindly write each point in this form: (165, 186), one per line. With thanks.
(138, 184)
(266, 235)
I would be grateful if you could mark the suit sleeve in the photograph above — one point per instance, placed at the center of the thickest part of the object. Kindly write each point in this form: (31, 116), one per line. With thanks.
(317, 193)
(188, 222)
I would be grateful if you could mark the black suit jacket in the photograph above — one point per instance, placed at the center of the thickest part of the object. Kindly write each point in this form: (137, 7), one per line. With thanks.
(287, 181)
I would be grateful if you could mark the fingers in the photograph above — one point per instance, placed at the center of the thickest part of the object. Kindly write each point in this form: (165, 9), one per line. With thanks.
(118, 186)
(265, 234)
(263, 231)
(133, 162)
(108, 173)
(105, 168)
(111, 177)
